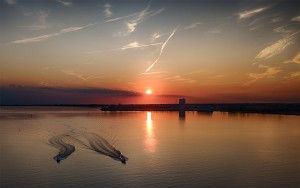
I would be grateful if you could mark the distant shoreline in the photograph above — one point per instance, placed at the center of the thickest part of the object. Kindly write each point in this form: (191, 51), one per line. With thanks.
(262, 108)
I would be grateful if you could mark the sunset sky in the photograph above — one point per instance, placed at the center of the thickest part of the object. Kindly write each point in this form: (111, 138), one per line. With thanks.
(68, 51)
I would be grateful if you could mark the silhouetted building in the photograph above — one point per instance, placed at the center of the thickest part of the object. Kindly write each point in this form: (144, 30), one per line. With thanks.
(182, 108)
(182, 104)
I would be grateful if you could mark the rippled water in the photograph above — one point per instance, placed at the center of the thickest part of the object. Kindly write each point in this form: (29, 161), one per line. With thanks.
(200, 150)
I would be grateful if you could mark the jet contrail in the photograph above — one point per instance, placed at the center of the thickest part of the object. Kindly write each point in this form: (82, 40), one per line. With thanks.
(126, 47)
(121, 18)
(161, 50)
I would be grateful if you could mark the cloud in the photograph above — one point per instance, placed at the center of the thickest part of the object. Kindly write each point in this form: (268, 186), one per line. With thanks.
(11, 2)
(269, 72)
(158, 35)
(296, 59)
(164, 44)
(214, 31)
(65, 3)
(296, 19)
(276, 48)
(29, 95)
(154, 73)
(131, 45)
(48, 36)
(120, 18)
(155, 36)
(193, 25)
(282, 30)
(196, 72)
(140, 17)
(131, 26)
(277, 19)
(179, 78)
(41, 23)
(107, 10)
(135, 19)
(79, 76)
(250, 13)
(293, 75)
(138, 45)
(71, 29)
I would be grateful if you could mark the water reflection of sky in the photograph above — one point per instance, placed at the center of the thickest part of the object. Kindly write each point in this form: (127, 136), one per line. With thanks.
(204, 150)
(150, 141)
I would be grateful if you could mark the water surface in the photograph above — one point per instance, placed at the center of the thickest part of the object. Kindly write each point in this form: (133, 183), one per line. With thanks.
(164, 150)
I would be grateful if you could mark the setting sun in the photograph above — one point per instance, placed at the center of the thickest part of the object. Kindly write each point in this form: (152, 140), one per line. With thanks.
(148, 91)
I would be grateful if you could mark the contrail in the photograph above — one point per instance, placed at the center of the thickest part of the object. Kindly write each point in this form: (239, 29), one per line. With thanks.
(126, 47)
(121, 18)
(137, 45)
(161, 50)
(138, 14)
(51, 35)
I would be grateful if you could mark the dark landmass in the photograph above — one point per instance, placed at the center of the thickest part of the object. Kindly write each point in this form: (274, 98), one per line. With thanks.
(265, 108)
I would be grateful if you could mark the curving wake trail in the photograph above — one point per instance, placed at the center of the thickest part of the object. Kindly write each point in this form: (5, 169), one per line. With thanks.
(102, 146)
(65, 149)
(94, 142)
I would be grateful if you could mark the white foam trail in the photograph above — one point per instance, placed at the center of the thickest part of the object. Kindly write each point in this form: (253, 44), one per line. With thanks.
(65, 149)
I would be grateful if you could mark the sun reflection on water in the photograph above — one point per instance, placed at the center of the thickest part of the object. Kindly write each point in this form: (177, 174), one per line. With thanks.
(150, 140)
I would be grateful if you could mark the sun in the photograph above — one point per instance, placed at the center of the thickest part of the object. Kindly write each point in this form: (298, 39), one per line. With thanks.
(148, 91)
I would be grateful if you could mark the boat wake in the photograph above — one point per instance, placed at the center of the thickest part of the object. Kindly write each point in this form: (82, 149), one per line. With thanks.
(65, 149)
(91, 141)
(102, 146)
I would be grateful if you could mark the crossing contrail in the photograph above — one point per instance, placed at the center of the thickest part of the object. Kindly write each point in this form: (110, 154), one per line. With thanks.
(163, 46)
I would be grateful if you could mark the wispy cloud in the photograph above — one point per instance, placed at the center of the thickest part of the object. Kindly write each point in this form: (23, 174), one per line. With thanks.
(154, 73)
(65, 3)
(120, 18)
(296, 59)
(136, 18)
(155, 36)
(214, 31)
(11, 2)
(179, 78)
(276, 20)
(250, 13)
(107, 10)
(59, 95)
(269, 72)
(132, 45)
(158, 35)
(48, 36)
(193, 25)
(138, 45)
(282, 30)
(196, 72)
(276, 48)
(293, 75)
(79, 76)
(140, 17)
(41, 23)
(296, 19)
(164, 44)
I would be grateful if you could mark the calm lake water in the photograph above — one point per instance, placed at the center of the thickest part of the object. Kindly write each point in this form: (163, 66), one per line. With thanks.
(200, 150)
